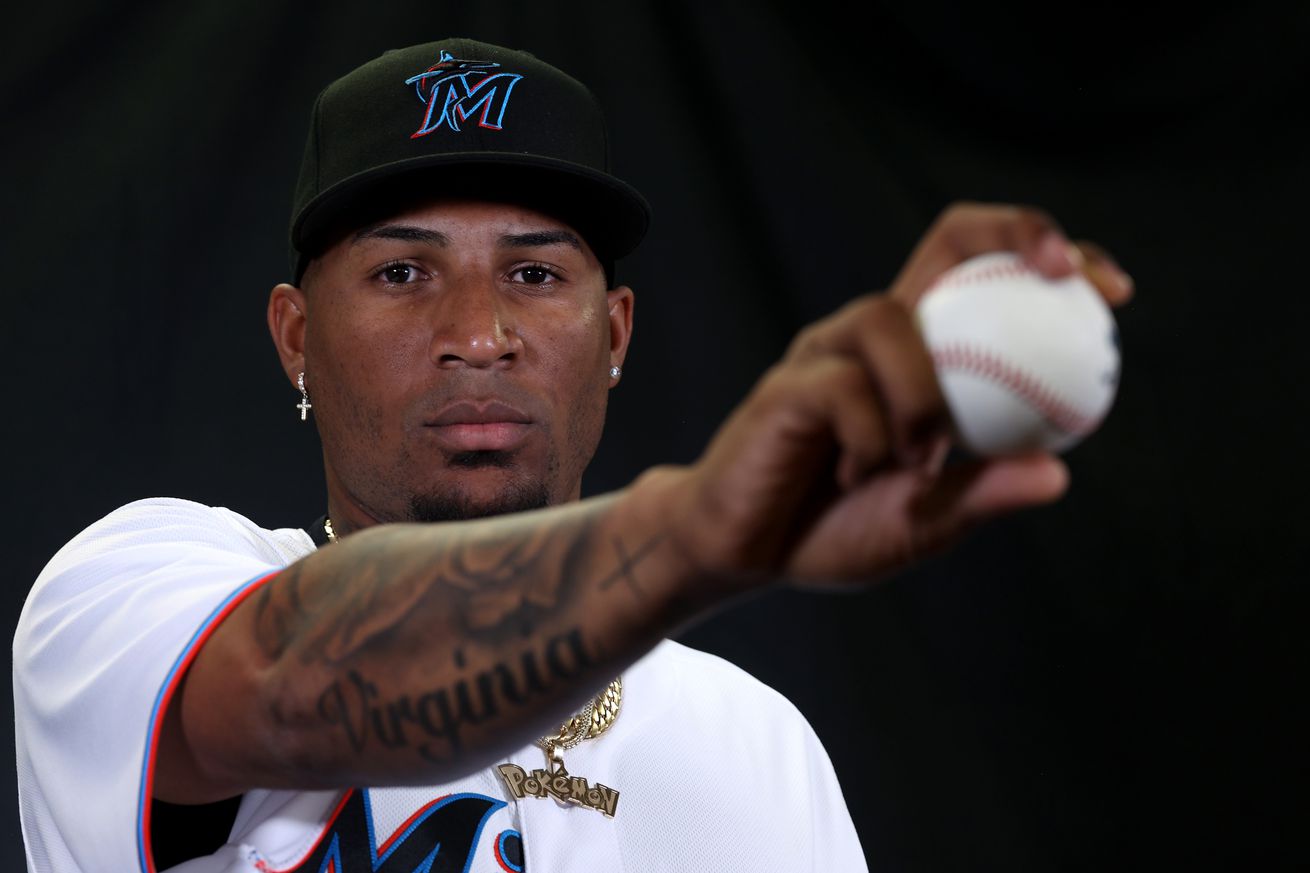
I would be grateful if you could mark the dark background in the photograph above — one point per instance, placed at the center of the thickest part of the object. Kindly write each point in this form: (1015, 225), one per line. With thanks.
(1116, 681)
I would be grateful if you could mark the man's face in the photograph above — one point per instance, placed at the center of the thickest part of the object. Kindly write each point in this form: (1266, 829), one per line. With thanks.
(457, 356)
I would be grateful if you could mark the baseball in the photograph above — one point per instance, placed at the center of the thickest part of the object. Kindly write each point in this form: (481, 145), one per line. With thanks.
(1026, 363)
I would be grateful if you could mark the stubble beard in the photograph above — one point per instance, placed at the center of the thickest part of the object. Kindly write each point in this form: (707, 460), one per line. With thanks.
(453, 503)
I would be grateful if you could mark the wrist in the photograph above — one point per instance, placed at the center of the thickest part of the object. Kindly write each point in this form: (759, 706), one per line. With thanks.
(702, 574)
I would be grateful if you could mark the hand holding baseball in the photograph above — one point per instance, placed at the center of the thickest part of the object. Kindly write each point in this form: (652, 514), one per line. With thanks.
(832, 469)
(1026, 363)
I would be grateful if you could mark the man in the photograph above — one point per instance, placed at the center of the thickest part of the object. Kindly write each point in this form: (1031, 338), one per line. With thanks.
(492, 693)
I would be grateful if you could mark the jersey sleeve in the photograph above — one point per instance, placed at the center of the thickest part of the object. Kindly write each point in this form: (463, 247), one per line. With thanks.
(105, 635)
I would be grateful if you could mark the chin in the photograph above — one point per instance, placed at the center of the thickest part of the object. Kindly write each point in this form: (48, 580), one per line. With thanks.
(457, 502)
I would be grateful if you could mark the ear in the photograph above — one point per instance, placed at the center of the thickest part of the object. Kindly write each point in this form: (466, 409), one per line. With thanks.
(286, 322)
(621, 301)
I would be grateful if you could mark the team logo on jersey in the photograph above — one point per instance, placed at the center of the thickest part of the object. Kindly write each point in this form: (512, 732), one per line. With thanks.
(456, 90)
(441, 836)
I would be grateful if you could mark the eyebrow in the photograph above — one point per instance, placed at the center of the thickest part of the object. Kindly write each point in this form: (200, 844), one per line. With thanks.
(403, 233)
(540, 238)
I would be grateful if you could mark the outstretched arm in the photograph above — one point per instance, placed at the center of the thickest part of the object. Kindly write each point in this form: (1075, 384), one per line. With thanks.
(419, 653)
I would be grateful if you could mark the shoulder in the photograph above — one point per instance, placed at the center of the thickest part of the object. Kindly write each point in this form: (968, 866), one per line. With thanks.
(162, 528)
(173, 520)
(702, 674)
(712, 692)
(165, 540)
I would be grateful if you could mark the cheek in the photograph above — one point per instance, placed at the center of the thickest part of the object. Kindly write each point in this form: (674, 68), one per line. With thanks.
(367, 340)
(583, 367)
(354, 369)
(593, 332)
(575, 351)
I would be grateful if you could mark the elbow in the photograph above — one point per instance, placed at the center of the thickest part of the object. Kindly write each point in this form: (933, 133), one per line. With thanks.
(245, 725)
(292, 746)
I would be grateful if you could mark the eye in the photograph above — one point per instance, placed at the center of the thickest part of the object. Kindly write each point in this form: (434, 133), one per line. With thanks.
(399, 274)
(534, 274)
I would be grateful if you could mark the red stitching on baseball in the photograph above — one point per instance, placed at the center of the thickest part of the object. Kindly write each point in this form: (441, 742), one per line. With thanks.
(1048, 404)
(961, 275)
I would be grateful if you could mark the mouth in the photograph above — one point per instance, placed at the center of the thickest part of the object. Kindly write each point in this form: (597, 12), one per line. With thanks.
(468, 426)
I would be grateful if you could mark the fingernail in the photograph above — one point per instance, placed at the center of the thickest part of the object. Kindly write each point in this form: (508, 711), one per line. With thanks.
(1054, 250)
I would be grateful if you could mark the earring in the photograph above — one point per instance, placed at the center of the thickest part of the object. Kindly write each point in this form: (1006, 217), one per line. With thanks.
(616, 371)
(304, 405)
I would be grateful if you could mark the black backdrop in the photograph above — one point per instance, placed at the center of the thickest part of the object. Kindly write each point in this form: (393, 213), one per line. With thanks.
(1118, 680)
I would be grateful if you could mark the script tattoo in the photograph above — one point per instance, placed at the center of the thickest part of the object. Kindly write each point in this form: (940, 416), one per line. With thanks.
(441, 714)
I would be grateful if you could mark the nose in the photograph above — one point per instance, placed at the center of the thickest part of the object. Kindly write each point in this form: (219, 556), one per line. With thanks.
(472, 326)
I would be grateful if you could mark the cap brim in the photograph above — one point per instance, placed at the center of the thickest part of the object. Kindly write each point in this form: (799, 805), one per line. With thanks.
(611, 215)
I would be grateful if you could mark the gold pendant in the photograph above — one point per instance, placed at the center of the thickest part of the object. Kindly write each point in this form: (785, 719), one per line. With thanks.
(557, 783)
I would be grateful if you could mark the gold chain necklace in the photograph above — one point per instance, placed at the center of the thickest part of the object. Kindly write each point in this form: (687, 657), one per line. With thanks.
(554, 780)
(594, 719)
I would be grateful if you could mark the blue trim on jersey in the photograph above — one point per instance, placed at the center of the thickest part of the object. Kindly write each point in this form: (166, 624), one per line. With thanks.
(500, 850)
(333, 857)
(142, 800)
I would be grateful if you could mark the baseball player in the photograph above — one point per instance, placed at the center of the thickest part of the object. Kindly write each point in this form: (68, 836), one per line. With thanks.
(494, 691)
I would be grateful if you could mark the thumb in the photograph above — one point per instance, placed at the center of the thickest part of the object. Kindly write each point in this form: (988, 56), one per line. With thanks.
(968, 494)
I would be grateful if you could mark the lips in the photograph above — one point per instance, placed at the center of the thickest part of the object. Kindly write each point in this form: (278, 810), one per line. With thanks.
(468, 412)
(469, 426)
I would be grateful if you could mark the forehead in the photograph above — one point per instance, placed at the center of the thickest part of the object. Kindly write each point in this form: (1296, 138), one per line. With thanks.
(450, 224)
(460, 220)
(471, 219)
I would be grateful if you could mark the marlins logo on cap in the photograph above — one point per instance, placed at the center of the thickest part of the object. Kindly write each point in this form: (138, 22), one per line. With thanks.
(446, 84)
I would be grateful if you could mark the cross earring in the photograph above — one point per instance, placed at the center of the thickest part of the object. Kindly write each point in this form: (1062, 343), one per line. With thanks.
(304, 405)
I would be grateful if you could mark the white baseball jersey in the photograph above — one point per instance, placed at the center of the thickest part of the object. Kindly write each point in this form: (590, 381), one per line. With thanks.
(714, 771)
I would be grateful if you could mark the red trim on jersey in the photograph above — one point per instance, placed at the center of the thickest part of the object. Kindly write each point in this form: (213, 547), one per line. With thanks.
(381, 850)
(263, 867)
(180, 670)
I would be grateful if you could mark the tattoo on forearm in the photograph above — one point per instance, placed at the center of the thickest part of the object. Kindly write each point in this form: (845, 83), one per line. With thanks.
(492, 589)
(509, 590)
(627, 566)
(277, 612)
(432, 722)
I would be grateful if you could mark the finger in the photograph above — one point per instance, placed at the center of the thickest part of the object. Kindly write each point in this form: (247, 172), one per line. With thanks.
(821, 337)
(965, 495)
(1103, 271)
(881, 335)
(900, 518)
(806, 431)
(970, 229)
(890, 346)
(837, 391)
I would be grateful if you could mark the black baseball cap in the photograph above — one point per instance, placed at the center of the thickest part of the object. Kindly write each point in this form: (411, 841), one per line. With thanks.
(461, 118)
